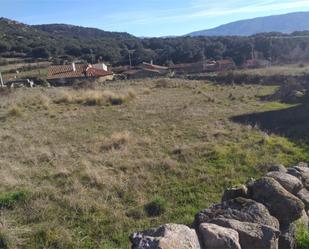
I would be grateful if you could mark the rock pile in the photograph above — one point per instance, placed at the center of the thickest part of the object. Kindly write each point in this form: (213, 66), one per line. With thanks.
(259, 215)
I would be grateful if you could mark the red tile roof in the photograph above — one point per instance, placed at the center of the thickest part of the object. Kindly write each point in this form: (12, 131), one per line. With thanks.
(66, 71)
(81, 70)
(94, 72)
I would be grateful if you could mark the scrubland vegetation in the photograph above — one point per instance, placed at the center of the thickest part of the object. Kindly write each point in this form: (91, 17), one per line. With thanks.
(84, 168)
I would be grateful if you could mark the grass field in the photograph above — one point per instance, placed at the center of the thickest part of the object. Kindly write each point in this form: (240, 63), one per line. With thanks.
(85, 168)
(292, 69)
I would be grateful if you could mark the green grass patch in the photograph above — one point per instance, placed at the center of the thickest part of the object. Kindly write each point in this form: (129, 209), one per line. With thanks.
(275, 106)
(9, 199)
(302, 238)
(156, 207)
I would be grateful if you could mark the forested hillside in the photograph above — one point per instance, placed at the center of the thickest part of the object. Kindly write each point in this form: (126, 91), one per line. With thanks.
(68, 42)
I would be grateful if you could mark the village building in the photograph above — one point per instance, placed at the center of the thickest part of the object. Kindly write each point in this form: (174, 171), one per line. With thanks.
(151, 66)
(67, 74)
(255, 63)
(146, 70)
(200, 67)
(225, 65)
(187, 68)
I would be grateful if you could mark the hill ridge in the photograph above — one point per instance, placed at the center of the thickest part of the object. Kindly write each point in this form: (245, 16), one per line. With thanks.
(284, 23)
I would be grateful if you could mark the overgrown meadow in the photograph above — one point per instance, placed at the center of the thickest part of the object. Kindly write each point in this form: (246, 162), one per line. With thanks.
(84, 168)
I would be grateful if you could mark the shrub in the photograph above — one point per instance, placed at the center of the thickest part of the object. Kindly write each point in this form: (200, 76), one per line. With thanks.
(9, 199)
(42, 100)
(162, 83)
(302, 238)
(93, 97)
(117, 141)
(147, 91)
(156, 207)
(5, 240)
(118, 99)
(15, 111)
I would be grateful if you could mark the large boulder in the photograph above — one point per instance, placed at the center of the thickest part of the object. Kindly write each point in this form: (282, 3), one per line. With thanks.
(301, 173)
(304, 196)
(233, 193)
(239, 209)
(217, 237)
(289, 182)
(166, 237)
(287, 237)
(252, 235)
(280, 203)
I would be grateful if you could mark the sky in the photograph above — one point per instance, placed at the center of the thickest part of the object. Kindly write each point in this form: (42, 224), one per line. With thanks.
(145, 18)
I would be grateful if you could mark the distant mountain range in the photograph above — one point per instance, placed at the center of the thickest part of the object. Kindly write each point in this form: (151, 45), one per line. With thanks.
(287, 23)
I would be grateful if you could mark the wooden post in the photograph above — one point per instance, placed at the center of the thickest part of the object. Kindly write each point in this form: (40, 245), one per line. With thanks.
(1, 80)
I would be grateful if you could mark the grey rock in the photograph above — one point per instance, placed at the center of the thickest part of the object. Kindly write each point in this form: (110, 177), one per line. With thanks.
(278, 168)
(304, 220)
(289, 182)
(287, 237)
(166, 237)
(301, 173)
(217, 237)
(233, 193)
(304, 196)
(241, 209)
(280, 203)
(303, 164)
(252, 235)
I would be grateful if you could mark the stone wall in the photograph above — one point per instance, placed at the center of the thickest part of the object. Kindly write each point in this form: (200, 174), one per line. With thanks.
(259, 215)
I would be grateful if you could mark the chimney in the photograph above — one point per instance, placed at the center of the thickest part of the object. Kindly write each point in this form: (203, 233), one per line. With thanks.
(73, 67)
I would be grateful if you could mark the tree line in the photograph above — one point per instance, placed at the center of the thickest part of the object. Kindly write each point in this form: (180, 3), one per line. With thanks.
(66, 43)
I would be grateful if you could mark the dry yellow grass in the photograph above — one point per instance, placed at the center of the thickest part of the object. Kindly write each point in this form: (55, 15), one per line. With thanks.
(14, 111)
(116, 141)
(94, 97)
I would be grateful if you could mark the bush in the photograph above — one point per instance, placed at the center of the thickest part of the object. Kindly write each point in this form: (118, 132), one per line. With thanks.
(5, 240)
(162, 83)
(302, 238)
(15, 111)
(156, 207)
(117, 141)
(9, 199)
(94, 97)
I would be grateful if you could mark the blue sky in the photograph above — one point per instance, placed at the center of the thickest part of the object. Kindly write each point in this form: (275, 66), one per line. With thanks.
(145, 17)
